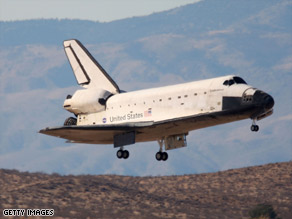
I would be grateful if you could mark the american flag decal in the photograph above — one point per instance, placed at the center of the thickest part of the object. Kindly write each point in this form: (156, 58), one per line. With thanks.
(148, 112)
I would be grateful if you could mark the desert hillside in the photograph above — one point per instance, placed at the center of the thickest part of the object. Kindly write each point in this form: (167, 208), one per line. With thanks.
(226, 194)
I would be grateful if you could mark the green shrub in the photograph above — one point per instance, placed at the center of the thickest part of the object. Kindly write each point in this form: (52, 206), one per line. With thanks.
(262, 211)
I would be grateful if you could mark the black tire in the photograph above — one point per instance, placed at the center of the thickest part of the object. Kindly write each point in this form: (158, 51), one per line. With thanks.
(70, 121)
(254, 128)
(164, 156)
(158, 156)
(126, 154)
(120, 154)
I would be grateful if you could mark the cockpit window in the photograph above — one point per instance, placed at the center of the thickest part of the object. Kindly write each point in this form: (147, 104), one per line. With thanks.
(239, 80)
(228, 82)
(235, 80)
(231, 82)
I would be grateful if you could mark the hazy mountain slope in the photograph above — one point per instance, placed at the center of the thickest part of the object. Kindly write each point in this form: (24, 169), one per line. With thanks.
(198, 41)
(228, 194)
(191, 19)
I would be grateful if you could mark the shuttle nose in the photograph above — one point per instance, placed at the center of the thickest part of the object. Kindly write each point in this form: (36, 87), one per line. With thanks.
(263, 99)
(268, 101)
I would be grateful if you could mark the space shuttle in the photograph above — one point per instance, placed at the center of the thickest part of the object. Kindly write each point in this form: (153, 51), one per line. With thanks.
(104, 114)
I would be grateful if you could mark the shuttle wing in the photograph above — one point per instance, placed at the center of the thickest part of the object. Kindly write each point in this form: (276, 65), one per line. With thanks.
(144, 131)
(94, 134)
(88, 72)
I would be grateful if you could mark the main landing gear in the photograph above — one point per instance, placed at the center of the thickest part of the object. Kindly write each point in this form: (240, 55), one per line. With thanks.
(161, 156)
(254, 127)
(123, 154)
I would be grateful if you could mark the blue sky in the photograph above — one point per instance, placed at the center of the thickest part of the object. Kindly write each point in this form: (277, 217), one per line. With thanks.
(100, 10)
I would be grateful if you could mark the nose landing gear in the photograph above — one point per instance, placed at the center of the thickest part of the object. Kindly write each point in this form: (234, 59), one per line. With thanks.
(254, 127)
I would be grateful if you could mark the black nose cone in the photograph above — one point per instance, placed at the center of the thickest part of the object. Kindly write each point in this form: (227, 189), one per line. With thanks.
(264, 100)
(268, 101)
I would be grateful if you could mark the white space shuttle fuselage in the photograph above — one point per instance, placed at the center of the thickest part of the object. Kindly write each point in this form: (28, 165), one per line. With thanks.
(159, 104)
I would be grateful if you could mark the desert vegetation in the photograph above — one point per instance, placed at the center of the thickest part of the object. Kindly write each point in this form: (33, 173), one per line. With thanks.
(235, 193)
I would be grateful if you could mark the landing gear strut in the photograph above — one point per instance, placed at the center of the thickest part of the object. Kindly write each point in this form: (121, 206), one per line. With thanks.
(161, 156)
(254, 127)
(123, 154)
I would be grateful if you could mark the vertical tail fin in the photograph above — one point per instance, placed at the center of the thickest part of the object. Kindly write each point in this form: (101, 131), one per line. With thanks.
(87, 70)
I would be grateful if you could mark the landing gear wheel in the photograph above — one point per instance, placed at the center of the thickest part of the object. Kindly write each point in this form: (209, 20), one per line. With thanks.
(161, 156)
(120, 154)
(123, 154)
(254, 128)
(70, 121)
(158, 156)
(126, 154)
(164, 156)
